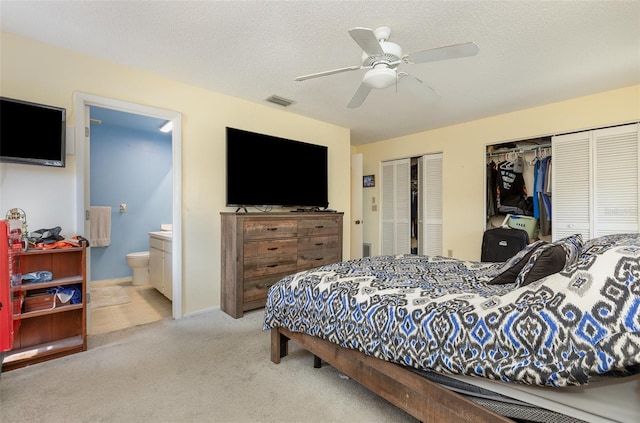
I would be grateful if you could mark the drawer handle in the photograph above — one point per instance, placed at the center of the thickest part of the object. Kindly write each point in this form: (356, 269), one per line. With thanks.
(319, 243)
(272, 248)
(319, 258)
(272, 229)
(272, 265)
(319, 226)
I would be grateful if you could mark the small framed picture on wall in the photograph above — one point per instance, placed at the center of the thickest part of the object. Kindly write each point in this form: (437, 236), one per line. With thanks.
(369, 181)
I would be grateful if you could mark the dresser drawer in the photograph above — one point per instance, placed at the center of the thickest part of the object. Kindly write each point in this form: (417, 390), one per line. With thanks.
(320, 226)
(317, 243)
(270, 248)
(264, 229)
(315, 258)
(255, 290)
(262, 266)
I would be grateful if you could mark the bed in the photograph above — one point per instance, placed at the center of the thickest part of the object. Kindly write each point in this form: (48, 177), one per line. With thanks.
(553, 334)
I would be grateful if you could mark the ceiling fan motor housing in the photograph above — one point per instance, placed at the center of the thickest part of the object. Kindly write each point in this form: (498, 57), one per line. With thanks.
(383, 73)
(392, 53)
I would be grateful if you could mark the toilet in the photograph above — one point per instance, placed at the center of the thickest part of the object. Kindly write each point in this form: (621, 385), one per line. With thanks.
(139, 263)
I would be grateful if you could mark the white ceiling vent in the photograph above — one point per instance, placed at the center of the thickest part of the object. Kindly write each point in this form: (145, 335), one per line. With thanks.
(280, 101)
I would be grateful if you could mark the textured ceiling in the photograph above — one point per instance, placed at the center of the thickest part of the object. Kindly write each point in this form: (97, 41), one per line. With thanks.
(531, 52)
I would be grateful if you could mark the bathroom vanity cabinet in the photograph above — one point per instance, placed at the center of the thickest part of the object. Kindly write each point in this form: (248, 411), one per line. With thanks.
(49, 328)
(160, 268)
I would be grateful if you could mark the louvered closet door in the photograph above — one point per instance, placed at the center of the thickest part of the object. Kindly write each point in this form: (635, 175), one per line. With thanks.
(388, 208)
(571, 185)
(396, 207)
(596, 182)
(616, 178)
(430, 210)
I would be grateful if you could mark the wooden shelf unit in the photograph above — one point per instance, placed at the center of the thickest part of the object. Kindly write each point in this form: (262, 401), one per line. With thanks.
(54, 332)
(258, 249)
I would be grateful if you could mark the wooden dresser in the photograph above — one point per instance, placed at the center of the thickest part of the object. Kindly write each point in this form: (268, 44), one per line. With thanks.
(258, 249)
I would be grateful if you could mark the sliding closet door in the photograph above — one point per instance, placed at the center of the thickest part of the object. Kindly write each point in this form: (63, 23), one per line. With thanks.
(596, 182)
(396, 207)
(430, 205)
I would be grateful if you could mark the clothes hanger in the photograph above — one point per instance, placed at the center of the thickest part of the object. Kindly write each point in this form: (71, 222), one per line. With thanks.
(535, 158)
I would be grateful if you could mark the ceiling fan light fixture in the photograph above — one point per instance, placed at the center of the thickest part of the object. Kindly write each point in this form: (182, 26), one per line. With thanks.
(380, 77)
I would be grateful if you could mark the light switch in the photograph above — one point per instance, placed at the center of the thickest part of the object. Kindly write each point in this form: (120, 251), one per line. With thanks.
(123, 207)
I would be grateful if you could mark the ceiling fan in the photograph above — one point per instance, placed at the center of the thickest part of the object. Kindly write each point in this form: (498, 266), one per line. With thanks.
(383, 57)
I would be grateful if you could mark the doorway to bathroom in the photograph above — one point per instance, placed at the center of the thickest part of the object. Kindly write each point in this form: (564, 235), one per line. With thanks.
(133, 151)
(131, 194)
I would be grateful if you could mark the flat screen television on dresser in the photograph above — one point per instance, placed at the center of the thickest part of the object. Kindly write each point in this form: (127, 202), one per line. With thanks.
(32, 133)
(264, 170)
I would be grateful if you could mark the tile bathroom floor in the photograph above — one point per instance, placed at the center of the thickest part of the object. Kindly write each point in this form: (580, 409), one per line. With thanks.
(146, 305)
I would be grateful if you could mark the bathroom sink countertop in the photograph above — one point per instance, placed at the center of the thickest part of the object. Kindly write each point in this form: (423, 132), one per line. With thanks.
(166, 235)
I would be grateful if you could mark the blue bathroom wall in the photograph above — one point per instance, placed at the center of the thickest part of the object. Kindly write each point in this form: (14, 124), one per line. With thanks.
(133, 167)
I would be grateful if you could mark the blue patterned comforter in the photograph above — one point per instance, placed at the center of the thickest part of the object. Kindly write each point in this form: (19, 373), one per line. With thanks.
(446, 315)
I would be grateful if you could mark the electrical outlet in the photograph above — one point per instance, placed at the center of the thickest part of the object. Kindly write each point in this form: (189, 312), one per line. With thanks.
(374, 207)
(450, 253)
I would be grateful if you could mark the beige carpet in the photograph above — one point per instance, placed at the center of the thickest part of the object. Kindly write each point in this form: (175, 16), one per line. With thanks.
(108, 296)
(204, 368)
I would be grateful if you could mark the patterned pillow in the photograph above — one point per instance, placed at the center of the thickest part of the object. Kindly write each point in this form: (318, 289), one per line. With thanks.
(603, 243)
(508, 272)
(600, 245)
(550, 259)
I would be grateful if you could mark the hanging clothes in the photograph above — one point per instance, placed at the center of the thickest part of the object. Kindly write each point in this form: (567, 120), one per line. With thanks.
(492, 189)
(536, 178)
(542, 194)
(414, 211)
(513, 192)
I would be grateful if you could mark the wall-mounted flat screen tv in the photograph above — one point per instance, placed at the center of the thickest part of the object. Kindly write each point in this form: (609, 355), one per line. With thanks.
(264, 170)
(32, 133)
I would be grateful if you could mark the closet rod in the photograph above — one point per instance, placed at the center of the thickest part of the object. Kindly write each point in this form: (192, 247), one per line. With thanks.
(519, 150)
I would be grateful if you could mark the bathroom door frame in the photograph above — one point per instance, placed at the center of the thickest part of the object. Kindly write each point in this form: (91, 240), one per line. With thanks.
(82, 102)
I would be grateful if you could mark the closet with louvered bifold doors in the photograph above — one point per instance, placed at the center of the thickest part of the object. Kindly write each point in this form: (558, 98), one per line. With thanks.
(518, 189)
(411, 199)
(596, 182)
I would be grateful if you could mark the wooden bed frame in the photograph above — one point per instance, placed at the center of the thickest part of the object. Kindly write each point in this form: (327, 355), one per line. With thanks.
(425, 400)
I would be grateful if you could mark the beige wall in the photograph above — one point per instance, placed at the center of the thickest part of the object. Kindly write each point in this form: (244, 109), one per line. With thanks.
(40, 73)
(463, 148)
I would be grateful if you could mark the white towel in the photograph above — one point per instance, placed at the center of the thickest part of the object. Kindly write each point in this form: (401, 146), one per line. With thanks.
(100, 226)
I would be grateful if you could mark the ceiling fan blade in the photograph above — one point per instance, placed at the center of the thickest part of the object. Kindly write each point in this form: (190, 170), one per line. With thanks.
(358, 98)
(366, 40)
(330, 72)
(417, 87)
(443, 53)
